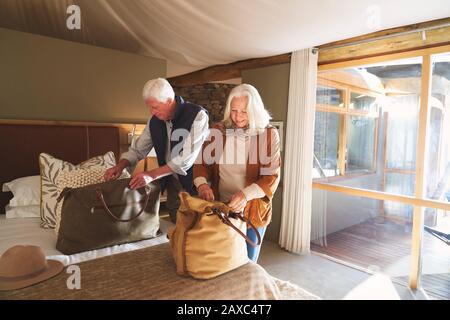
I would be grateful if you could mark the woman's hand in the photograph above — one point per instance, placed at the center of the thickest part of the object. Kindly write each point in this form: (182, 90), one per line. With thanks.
(238, 202)
(205, 192)
(141, 180)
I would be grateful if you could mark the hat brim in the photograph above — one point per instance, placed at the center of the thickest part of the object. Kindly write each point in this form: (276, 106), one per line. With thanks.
(54, 268)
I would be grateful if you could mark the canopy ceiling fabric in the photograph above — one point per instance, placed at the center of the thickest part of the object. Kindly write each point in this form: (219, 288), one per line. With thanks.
(194, 34)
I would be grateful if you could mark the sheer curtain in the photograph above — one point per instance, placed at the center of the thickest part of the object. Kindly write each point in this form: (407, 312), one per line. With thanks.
(295, 230)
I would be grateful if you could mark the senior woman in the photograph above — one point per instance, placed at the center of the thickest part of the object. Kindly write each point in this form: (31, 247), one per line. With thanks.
(240, 162)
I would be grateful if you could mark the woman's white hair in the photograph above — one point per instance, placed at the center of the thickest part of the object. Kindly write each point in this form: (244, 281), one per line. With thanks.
(159, 89)
(258, 116)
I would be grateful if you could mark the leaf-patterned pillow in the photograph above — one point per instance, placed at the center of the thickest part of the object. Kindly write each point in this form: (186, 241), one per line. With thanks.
(50, 168)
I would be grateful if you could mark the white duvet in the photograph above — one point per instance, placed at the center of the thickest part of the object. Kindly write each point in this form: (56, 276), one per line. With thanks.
(27, 231)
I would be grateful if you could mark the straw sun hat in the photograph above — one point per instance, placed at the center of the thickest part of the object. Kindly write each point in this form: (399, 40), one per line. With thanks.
(23, 266)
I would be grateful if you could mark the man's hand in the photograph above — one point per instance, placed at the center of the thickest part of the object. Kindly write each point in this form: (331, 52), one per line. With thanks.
(115, 172)
(238, 202)
(205, 192)
(141, 180)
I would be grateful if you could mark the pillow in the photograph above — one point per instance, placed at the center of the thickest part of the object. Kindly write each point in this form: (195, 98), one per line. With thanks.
(26, 191)
(51, 168)
(33, 211)
(75, 179)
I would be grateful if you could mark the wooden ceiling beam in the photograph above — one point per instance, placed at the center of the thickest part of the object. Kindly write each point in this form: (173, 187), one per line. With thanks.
(227, 71)
(387, 32)
(396, 44)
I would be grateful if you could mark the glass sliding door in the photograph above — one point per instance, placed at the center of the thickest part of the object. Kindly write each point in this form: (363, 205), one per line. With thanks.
(436, 267)
(383, 134)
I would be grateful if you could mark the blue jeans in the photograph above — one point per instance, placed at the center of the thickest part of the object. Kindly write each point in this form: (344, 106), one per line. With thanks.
(253, 252)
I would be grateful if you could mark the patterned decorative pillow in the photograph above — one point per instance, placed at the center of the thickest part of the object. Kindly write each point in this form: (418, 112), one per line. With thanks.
(51, 168)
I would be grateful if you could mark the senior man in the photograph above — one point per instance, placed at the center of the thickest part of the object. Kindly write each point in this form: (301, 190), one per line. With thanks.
(177, 130)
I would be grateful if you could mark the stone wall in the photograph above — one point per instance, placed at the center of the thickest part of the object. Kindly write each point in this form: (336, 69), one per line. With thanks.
(211, 96)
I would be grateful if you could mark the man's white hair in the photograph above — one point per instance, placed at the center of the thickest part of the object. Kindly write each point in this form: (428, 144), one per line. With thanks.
(159, 89)
(258, 116)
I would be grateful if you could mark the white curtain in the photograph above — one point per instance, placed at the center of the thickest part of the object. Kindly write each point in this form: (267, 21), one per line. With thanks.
(295, 230)
(319, 217)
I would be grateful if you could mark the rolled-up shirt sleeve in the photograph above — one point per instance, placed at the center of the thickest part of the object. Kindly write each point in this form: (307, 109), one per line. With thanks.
(192, 145)
(141, 148)
(253, 191)
(199, 181)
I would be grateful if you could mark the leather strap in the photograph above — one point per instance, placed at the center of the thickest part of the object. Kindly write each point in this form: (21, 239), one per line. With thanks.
(63, 194)
(234, 215)
(99, 193)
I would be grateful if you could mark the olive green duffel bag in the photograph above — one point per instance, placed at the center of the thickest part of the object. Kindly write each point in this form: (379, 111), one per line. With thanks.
(106, 214)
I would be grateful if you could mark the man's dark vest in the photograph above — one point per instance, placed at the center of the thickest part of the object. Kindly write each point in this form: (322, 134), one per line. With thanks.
(185, 114)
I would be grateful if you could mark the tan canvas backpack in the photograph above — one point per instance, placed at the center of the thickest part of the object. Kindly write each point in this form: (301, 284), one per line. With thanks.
(208, 239)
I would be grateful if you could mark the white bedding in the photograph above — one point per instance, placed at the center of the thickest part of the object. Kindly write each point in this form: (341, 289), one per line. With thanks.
(27, 231)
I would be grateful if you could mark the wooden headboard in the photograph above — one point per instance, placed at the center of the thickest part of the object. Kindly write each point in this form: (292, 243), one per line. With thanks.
(21, 144)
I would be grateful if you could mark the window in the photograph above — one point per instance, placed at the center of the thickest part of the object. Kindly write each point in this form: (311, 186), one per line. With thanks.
(395, 125)
(346, 125)
(327, 95)
(364, 102)
(360, 143)
(326, 143)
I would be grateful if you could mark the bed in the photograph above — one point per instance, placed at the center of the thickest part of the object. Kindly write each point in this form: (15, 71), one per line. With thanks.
(139, 270)
(25, 231)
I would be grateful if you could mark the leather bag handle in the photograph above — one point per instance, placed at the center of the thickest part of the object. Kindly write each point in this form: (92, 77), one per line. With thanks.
(100, 196)
(225, 219)
(105, 206)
